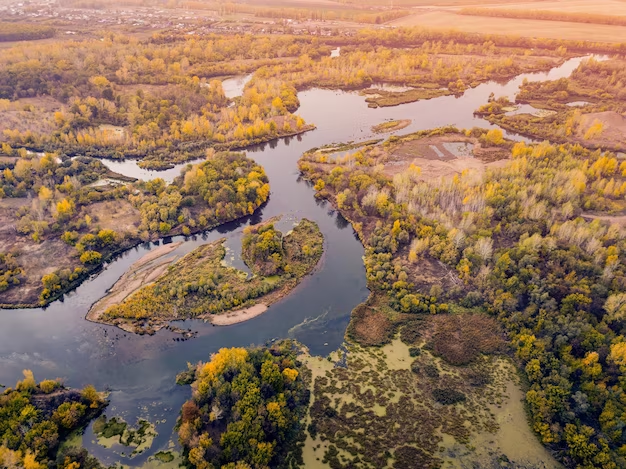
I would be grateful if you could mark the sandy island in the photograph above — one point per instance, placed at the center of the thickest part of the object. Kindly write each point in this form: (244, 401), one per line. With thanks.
(150, 268)
(155, 265)
(390, 126)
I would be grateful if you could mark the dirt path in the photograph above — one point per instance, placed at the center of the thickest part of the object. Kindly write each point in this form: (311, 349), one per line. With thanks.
(617, 219)
(146, 270)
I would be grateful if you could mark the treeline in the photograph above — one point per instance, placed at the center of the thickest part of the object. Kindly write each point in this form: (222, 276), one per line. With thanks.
(179, 115)
(174, 120)
(248, 409)
(91, 4)
(431, 65)
(66, 70)
(586, 17)
(327, 14)
(406, 37)
(593, 80)
(24, 32)
(35, 420)
(523, 252)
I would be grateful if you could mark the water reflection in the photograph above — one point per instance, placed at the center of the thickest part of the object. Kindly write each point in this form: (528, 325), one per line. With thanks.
(234, 86)
(140, 370)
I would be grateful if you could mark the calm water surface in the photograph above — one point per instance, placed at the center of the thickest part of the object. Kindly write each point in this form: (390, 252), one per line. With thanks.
(140, 370)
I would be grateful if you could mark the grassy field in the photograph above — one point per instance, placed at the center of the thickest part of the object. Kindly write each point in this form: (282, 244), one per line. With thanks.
(528, 28)
(426, 3)
(605, 7)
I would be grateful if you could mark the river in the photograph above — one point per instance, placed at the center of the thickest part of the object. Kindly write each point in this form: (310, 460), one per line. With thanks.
(140, 370)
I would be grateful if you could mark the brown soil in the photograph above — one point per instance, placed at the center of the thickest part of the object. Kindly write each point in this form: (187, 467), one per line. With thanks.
(421, 152)
(427, 272)
(35, 261)
(370, 326)
(118, 215)
(614, 128)
(146, 88)
(611, 7)
(45, 103)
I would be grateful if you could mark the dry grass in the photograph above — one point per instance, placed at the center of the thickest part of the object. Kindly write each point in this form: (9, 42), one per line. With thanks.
(118, 215)
(52, 254)
(605, 7)
(301, 3)
(391, 126)
(508, 26)
(143, 272)
(35, 259)
(612, 219)
(613, 127)
(34, 114)
(433, 3)
(436, 161)
(370, 326)
(461, 339)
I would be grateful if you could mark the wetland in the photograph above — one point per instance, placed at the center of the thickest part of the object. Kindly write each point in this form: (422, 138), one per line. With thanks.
(139, 370)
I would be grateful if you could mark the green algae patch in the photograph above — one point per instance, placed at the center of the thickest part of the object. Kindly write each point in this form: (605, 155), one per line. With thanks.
(73, 440)
(388, 407)
(164, 456)
(165, 459)
(115, 431)
(109, 428)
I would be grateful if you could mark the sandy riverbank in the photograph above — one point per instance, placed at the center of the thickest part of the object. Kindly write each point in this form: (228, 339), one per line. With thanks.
(146, 270)
(235, 317)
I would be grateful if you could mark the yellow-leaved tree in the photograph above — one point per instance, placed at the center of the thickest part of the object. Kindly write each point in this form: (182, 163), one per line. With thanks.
(65, 210)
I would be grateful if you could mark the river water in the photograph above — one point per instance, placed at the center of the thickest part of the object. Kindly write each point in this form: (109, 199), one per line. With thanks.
(140, 370)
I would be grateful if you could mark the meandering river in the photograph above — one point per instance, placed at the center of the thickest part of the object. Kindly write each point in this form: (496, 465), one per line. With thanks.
(140, 370)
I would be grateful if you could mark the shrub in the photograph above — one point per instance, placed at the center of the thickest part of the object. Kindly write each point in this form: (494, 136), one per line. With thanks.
(48, 385)
(448, 396)
(91, 258)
